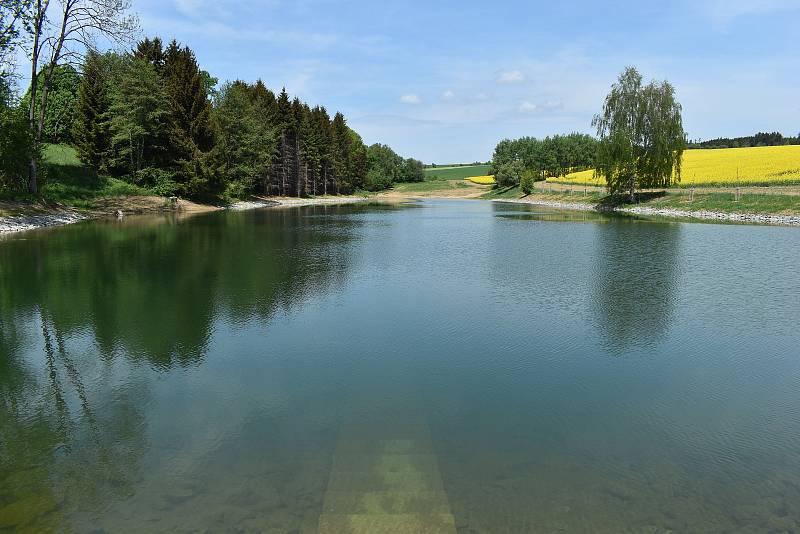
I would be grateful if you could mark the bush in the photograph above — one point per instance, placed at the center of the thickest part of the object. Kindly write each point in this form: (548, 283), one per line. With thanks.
(237, 189)
(159, 181)
(526, 182)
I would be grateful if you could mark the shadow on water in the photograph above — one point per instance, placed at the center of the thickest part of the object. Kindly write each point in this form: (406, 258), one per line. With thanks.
(635, 282)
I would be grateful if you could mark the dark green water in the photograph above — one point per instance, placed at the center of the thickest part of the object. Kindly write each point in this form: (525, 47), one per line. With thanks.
(509, 369)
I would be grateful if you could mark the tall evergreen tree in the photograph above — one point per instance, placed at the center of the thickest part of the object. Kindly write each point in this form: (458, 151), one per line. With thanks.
(152, 51)
(191, 108)
(340, 152)
(91, 133)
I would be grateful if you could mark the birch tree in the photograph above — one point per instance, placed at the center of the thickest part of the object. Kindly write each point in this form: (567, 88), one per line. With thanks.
(61, 31)
(641, 135)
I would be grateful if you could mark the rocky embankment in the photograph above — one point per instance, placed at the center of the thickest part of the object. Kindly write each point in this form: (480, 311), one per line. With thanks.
(753, 218)
(26, 217)
(20, 223)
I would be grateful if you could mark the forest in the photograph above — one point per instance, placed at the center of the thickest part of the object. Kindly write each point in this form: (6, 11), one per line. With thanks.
(154, 118)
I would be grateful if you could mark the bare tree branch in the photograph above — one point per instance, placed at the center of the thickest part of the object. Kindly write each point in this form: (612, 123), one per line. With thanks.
(64, 39)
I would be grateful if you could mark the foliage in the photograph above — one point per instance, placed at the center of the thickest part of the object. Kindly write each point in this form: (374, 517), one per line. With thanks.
(552, 156)
(509, 173)
(385, 168)
(60, 113)
(759, 139)
(139, 118)
(244, 140)
(641, 135)
(91, 131)
(154, 118)
(15, 141)
(771, 165)
(412, 170)
(526, 182)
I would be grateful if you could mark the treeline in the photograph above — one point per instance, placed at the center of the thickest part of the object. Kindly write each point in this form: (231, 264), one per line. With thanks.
(529, 159)
(759, 139)
(153, 117)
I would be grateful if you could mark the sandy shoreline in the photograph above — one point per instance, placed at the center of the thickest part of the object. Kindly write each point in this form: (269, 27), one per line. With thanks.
(754, 218)
(32, 217)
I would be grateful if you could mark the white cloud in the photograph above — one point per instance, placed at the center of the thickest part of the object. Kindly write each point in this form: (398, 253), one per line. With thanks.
(527, 107)
(512, 76)
(410, 99)
(448, 95)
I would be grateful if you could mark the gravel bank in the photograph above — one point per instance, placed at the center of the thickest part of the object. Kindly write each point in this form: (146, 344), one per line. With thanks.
(20, 223)
(753, 218)
(140, 205)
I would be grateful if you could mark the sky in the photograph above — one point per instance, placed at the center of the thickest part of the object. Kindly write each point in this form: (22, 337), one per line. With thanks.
(444, 80)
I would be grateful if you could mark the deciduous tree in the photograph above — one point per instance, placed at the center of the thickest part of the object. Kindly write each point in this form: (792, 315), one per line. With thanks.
(641, 135)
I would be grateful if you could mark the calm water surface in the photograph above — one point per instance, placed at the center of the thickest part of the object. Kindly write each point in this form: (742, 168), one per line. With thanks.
(447, 366)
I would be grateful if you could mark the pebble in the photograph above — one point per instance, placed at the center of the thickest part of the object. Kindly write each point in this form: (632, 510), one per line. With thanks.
(31, 222)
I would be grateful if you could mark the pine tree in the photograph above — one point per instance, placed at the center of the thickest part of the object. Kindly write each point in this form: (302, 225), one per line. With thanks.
(91, 134)
(191, 109)
(340, 153)
(152, 51)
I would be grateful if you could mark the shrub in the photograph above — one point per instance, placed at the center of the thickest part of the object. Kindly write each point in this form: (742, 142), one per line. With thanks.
(526, 182)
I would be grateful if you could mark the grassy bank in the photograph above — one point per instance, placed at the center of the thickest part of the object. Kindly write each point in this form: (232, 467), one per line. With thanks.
(67, 182)
(708, 200)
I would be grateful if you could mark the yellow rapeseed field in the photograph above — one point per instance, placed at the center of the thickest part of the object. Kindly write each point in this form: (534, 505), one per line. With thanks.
(482, 180)
(768, 165)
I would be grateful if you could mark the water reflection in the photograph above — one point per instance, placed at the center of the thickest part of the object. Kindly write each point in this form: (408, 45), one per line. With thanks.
(635, 281)
(83, 306)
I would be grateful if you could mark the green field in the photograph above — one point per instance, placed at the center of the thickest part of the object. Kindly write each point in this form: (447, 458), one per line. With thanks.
(427, 186)
(456, 172)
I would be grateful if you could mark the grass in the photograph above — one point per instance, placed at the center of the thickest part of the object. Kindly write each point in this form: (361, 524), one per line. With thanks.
(724, 202)
(65, 180)
(503, 193)
(456, 173)
(728, 167)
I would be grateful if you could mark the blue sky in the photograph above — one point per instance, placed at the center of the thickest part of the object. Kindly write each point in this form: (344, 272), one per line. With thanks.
(443, 81)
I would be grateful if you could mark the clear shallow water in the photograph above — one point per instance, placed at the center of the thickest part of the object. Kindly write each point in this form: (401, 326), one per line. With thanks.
(452, 365)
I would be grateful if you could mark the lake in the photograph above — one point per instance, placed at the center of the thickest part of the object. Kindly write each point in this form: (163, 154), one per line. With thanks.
(445, 366)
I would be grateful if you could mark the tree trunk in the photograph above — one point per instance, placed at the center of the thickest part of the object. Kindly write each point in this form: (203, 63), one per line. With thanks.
(38, 22)
(633, 190)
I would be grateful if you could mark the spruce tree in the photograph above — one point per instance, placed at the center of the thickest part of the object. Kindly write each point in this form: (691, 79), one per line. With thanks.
(152, 51)
(91, 133)
(191, 109)
(340, 153)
